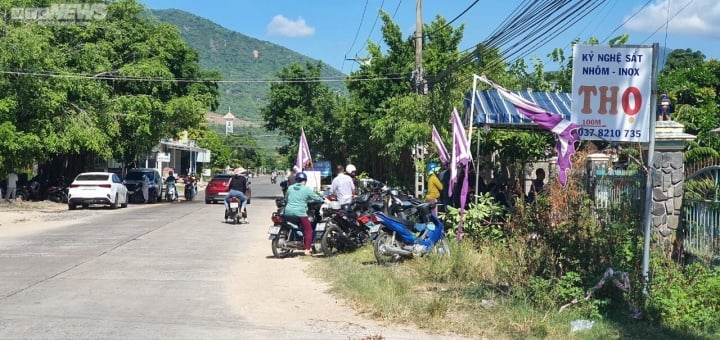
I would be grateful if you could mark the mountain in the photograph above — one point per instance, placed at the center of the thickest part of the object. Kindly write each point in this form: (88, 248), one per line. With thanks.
(237, 57)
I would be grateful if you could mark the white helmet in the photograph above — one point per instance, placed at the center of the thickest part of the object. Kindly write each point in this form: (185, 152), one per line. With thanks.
(350, 168)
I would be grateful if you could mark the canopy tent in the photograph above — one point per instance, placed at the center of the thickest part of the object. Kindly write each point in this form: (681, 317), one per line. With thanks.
(492, 109)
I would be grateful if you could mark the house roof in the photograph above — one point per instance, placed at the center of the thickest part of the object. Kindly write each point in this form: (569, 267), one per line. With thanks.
(492, 109)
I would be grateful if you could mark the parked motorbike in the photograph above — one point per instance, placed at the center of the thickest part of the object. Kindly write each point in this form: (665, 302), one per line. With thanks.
(171, 192)
(58, 194)
(401, 239)
(286, 233)
(346, 229)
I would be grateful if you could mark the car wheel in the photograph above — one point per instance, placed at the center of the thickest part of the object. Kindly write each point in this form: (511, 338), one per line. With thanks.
(124, 205)
(207, 201)
(114, 204)
(72, 207)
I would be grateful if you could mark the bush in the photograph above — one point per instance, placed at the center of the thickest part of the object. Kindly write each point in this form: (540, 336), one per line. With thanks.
(684, 298)
(484, 221)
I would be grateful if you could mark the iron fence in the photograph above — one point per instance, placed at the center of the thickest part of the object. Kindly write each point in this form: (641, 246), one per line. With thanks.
(701, 228)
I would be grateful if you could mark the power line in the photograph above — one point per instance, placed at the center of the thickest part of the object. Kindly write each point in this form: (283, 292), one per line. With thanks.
(452, 21)
(356, 35)
(668, 21)
(391, 76)
(373, 26)
(626, 21)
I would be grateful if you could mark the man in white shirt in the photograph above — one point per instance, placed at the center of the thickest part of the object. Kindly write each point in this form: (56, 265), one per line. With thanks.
(343, 187)
(12, 180)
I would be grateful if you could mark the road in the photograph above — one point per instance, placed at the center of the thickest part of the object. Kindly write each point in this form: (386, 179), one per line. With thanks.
(169, 270)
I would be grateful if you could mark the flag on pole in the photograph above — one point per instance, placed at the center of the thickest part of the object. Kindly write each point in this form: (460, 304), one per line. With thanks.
(461, 156)
(565, 130)
(442, 151)
(303, 160)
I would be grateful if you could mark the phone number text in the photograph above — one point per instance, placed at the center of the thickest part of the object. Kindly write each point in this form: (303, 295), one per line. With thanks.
(609, 133)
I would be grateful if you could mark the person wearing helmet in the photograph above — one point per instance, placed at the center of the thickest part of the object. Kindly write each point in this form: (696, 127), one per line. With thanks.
(435, 187)
(297, 198)
(351, 171)
(343, 187)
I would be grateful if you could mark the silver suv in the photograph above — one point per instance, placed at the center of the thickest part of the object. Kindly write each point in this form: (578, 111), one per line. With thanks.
(133, 182)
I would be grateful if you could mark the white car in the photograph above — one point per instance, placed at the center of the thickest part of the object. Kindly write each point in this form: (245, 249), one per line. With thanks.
(103, 188)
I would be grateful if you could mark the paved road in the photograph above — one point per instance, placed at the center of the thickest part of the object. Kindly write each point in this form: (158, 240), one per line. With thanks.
(169, 270)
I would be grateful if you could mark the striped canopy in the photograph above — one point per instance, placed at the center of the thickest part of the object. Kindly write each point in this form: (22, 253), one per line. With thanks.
(491, 108)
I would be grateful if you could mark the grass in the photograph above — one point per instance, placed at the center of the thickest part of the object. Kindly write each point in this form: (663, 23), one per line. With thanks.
(467, 294)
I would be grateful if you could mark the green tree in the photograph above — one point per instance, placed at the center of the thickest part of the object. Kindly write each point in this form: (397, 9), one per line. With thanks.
(300, 100)
(683, 59)
(108, 88)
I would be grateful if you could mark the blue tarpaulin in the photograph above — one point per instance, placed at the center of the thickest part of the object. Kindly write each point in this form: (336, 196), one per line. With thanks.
(490, 108)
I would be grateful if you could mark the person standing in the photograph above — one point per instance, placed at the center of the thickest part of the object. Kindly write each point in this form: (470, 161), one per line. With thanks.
(145, 188)
(298, 195)
(434, 186)
(12, 179)
(343, 188)
(538, 185)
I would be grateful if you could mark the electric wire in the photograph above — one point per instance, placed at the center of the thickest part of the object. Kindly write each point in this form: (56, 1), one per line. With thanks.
(396, 9)
(48, 74)
(428, 34)
(667, 25)
(377, 17)
(357, 32)
(626, 21)
(668, 21)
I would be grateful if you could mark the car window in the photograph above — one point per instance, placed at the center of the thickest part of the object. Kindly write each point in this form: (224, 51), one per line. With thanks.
(135, 175)
(92, 177)
(116, 179)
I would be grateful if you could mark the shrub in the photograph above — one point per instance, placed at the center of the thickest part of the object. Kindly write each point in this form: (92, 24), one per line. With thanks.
(484, 220)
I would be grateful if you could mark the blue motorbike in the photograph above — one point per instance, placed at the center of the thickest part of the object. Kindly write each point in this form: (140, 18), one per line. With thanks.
(400, 239)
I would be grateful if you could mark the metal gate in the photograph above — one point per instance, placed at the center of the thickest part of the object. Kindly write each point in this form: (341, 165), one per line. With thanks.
(701, 211)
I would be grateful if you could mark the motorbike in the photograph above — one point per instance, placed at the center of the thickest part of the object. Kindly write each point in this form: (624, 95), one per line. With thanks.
(233, 210)
(58, 194)
(286, 234)
(273, 179)
(347, 229)
(190, 190)
(401, 239)
(171, 192)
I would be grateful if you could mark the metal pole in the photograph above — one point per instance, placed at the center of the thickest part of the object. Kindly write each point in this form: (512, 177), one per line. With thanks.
(650, 172)
(419, 77)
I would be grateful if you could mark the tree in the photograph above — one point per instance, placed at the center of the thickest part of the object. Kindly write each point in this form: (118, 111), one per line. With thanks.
(683, 59)
(108, 88)
(298, 101)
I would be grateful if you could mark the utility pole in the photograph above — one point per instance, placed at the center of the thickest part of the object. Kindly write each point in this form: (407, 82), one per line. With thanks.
(420, 85)
(421, 88)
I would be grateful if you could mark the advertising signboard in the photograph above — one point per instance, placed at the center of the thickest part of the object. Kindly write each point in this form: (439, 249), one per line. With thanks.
(611, 92)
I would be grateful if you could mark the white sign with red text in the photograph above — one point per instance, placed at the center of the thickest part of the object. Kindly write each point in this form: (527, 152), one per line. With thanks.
(611, 93)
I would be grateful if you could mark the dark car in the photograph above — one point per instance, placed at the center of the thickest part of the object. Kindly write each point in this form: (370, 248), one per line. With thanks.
(133, 182)
(217, 188)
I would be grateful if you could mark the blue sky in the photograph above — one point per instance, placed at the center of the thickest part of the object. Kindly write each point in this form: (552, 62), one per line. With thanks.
(333, 30)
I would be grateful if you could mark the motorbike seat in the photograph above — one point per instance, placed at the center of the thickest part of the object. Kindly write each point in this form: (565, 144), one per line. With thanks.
(408, 224)
(291, 219)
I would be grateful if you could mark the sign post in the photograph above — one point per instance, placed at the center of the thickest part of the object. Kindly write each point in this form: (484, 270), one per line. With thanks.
(613, 100)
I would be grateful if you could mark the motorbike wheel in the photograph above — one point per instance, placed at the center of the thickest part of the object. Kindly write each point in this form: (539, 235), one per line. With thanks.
(384, 239)
(328, 241)
(278, 251)
(442, 247)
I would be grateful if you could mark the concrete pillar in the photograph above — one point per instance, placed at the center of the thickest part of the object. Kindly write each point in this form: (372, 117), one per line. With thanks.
(668, 178)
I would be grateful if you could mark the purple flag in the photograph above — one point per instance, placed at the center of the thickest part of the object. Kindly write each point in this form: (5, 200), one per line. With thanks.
(442, 151)
(303, 160)
(565, 130)
(461, 156)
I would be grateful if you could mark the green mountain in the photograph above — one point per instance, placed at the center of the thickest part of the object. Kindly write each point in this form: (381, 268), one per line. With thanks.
(237, 57)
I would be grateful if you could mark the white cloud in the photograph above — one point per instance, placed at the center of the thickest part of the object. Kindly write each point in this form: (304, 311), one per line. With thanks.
(282, 26)
(695, 17)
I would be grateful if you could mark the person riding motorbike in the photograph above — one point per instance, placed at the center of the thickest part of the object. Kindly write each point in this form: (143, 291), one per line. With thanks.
(297, 197)
(238, 186)
(170, 183)
(191, 182)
